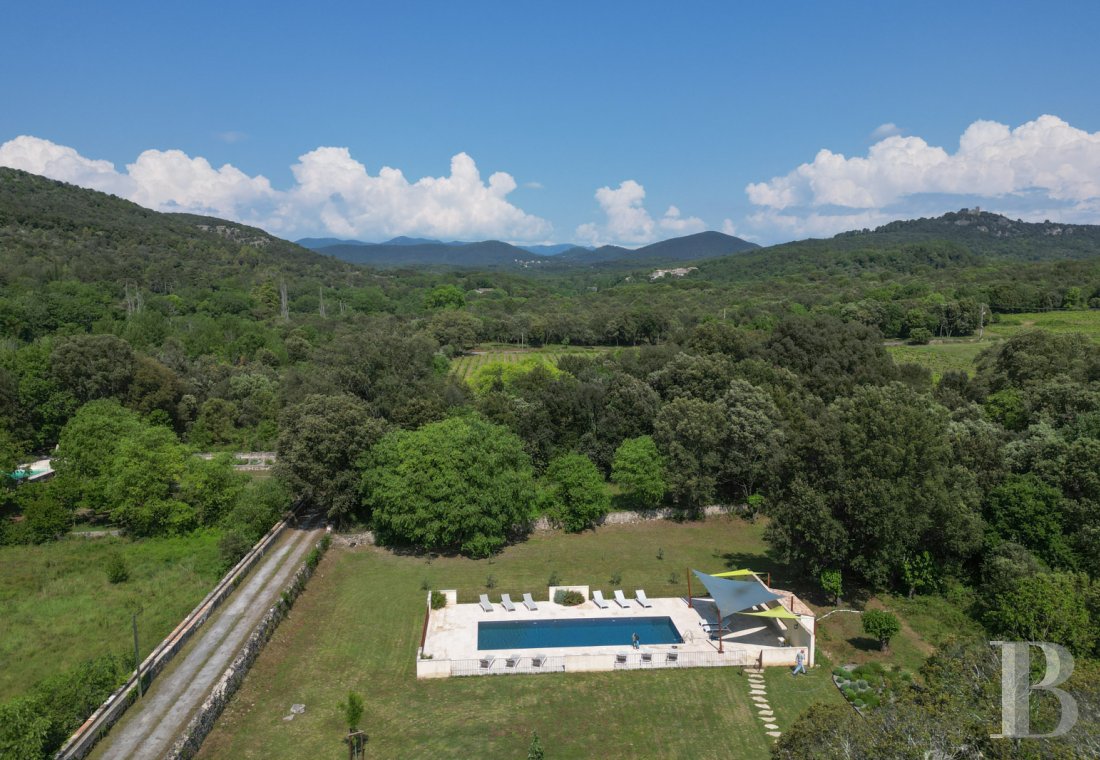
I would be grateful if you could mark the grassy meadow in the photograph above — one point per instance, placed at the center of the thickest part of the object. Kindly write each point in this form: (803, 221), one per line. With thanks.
(357, 627)
(959, 354)
(57, 607)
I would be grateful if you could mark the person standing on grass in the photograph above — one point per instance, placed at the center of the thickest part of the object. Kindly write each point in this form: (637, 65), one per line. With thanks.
(799, 663)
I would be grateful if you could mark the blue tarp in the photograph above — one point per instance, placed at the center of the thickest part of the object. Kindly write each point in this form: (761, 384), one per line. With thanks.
(734, 596)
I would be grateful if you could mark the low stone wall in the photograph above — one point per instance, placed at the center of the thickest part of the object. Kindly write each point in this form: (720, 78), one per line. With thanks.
(203, 722)
(366, 538)
(634, 517)
(107, 714)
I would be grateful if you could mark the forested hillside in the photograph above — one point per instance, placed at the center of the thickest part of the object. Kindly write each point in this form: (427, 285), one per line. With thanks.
(131, 339)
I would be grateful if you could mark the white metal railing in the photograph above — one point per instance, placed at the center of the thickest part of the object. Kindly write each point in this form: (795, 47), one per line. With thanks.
(581, 662)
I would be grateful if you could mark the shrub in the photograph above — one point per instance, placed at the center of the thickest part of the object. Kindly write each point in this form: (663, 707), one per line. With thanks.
(439, 600)
(882, 625)
(579, 497)
(616, 578)
(233, 545)
(920, 336)
(117, 570)
(490, 581)
(568, 598)
(555, 579)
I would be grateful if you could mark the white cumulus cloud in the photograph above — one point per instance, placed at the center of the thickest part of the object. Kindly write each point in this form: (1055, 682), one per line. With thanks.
(882, 131)
(627, 220)
(332, 193)
(1040, 164)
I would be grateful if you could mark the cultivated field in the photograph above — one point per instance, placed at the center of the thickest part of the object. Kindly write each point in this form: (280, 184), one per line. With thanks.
(465, 366)
(358, 625)
(57, 607)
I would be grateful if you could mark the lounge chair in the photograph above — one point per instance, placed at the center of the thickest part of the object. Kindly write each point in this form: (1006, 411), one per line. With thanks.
(647, 658)
(538, 660)
(597, 597)
(485, 603)
(672, 656)
(620, 659)
(506, 603)
(486, 662)
(642, 599)
(529, 603)
(621, 600)
(513, 660)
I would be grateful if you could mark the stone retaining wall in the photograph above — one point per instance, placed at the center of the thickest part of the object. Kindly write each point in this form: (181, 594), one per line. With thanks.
(187, 746)
(366, 538)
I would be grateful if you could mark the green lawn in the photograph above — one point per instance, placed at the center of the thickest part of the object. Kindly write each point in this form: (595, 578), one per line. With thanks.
(358, 625)
(1086, 322)
(57, 607)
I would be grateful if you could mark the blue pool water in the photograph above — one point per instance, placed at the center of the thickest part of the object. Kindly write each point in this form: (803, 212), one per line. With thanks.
(575, 632)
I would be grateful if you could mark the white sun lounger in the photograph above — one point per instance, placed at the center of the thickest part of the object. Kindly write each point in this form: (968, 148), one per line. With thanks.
(642, 599)
(621, 600)
(513, 660)
(538, 660)
(485, 603)
(506, 602)
(485, 663)
(529, 603)
(597, 597)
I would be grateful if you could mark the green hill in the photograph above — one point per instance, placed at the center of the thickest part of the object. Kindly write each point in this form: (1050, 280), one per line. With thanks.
(51, 230)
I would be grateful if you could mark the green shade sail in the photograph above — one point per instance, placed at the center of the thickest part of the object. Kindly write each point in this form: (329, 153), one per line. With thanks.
(733, 574)
(774, 612)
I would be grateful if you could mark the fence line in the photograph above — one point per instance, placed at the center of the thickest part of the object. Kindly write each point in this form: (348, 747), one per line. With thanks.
(634, 660)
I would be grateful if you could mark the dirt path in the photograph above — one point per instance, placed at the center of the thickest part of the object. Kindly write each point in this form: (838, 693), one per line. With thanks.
(152, 724)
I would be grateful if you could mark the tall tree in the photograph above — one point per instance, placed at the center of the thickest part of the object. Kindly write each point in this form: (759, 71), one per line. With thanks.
(462, 483)
(872, 484)
(321, 442)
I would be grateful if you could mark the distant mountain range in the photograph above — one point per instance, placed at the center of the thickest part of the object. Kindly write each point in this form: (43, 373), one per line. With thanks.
(419, 252)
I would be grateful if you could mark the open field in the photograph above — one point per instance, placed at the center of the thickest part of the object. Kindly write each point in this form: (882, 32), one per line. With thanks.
(464, 366)
(940, 357)
(959, 353)
(1084, 321)
(358, 625)
(57, 607)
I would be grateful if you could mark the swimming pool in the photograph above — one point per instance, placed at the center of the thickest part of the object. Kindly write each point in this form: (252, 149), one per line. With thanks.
(575, 632)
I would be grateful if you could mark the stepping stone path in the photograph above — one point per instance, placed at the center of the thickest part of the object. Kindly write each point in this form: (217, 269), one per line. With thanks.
(758, 691)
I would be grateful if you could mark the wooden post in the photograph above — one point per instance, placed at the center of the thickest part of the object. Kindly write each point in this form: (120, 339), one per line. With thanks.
(720, 649)
(137, 659)
(689, 589)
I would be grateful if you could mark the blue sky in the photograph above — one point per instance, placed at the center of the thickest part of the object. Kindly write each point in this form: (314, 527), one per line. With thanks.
(663, 105)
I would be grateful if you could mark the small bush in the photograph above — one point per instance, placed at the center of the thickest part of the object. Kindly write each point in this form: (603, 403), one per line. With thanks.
(555, 579)
(313, 558)
(849, 694)
(673, 578)
(425, 585)
(615, 579)
(439, 600)
(490, 581)
(117, 571)
(919, 336)
(660, 553)
(568, 598)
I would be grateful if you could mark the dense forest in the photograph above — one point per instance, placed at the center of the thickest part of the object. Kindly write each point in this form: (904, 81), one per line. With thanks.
(130, 340)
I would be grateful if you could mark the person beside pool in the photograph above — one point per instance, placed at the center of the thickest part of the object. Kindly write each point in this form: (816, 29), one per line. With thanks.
(634, 640)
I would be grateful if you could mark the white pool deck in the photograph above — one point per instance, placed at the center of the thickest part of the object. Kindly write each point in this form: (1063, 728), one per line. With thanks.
(450, 642)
